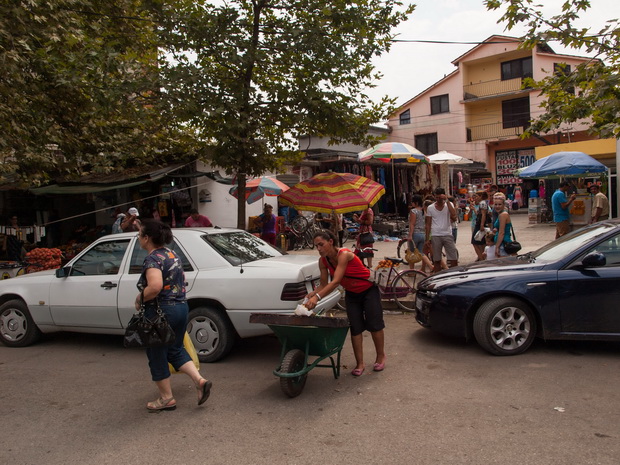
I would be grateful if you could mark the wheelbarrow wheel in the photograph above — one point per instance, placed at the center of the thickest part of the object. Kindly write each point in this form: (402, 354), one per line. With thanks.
(293, 361)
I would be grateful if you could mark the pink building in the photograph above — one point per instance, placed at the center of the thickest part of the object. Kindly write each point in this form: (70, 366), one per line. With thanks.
(480, 110)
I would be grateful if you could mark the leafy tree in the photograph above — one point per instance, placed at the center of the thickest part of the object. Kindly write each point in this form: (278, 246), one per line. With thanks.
(250, 76)
(78, 89)
(592, 89)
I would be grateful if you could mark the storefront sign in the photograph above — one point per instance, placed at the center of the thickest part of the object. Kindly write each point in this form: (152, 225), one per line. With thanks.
(508, 161)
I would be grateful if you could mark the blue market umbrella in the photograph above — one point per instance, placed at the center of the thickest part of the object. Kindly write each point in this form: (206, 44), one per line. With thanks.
(563, 164)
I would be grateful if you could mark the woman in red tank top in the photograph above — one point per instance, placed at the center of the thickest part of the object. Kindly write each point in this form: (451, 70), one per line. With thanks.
(362, 297)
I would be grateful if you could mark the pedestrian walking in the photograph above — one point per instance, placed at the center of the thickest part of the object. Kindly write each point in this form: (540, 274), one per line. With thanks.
(439, 218)
(365, 220)
(600, 204)
(162, 283)
(502, 227)
(479, 209)
(560, 204)
(415, 239)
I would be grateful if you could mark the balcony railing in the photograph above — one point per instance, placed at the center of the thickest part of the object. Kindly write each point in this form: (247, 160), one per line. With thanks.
(492, 131)
(491, 88)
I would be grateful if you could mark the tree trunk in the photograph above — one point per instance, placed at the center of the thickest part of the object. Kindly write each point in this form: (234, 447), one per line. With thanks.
(241, 203)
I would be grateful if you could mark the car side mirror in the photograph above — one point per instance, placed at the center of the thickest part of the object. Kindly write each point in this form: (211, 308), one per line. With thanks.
(594, 260)
(63, 272)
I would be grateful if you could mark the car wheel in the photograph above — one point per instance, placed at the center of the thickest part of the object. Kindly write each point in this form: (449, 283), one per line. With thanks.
(294, 361)
(505, 326)
(212, 333)
(17, 328)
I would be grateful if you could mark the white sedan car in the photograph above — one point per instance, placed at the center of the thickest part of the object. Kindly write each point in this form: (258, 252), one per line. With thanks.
(229, 273)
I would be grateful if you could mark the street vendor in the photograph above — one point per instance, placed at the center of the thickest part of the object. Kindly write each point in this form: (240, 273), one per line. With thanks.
(131, 222)
(15, 240)
(362, 297)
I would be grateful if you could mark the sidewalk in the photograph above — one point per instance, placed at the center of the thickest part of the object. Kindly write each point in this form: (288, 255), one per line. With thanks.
(531, 237)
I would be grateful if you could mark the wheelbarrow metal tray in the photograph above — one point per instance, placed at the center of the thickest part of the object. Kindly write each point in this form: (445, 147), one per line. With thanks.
(318, 336)
(298, 320)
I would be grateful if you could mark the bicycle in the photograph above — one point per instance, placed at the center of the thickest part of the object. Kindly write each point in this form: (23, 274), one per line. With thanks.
(400, 250)
(394, 285)
(298, 235)
(350, 231)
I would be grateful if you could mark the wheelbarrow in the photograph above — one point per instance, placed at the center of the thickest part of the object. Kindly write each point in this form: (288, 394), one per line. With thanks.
(303, 337)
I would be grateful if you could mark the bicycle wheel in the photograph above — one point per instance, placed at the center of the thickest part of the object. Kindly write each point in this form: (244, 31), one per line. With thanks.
(402, 244)
(404, 288)
(299, 224)
(309, 239)
(345, 235)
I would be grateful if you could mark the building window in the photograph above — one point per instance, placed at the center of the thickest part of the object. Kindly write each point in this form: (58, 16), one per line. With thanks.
(440, 104)
(426, 143)
(405, 117)
(516, 113)
(520, 68)
(562, 69)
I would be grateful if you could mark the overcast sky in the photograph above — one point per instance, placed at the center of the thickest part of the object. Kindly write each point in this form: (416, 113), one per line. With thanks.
(410, 68)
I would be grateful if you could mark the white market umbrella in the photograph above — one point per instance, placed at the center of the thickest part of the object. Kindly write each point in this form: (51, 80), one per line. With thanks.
(447, 158)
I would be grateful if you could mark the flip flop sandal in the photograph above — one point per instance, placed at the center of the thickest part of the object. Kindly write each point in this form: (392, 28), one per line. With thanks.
(161, 404)
(205, 391)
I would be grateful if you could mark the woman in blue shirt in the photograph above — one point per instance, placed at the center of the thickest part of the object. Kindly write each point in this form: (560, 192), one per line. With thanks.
(163, 281)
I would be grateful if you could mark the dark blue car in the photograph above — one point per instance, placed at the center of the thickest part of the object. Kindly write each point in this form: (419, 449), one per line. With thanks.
(568, 289)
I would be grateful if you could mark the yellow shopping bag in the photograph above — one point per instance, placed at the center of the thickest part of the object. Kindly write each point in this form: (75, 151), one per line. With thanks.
(191, 350)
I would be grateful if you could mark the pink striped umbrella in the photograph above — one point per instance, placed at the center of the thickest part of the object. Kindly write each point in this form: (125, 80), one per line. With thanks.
(256, 188)
(339, 192)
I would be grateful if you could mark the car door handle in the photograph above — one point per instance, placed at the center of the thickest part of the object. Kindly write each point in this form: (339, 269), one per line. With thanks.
(109, 285)
(536, 284)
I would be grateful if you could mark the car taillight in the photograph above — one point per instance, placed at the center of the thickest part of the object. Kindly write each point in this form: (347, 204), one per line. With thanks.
(294, 291)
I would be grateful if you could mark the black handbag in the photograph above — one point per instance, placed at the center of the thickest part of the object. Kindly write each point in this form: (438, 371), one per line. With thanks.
(366, 238)
(514, 246)
(142, 332)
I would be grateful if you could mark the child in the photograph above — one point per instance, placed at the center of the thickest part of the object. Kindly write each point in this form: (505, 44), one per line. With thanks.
(489, 250)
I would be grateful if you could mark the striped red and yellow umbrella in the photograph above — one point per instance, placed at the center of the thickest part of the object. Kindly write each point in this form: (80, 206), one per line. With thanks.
(339, 192)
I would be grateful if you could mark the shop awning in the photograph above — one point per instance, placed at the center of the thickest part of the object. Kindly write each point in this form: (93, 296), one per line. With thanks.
(598, 148)
(106, 182)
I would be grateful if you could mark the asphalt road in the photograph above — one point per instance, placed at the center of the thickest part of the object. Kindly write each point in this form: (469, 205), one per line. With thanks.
(80, 399)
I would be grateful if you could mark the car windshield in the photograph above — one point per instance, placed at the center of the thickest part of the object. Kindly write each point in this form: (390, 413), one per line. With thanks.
(571, 242)
(240, 247)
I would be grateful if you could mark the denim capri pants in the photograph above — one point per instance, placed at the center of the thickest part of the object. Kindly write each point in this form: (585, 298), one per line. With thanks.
(176, 314)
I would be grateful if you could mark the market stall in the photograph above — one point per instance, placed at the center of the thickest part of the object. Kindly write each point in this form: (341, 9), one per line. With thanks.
(577, 165)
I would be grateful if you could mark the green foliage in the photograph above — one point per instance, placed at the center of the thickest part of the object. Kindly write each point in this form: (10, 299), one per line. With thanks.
(252, 76)
(78, 89)
(592, 89)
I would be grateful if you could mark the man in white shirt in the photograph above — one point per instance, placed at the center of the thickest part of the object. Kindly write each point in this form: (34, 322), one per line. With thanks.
(439, 218)
(600, 204)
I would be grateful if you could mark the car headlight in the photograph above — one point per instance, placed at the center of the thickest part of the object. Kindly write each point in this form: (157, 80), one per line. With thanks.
(428, 294)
